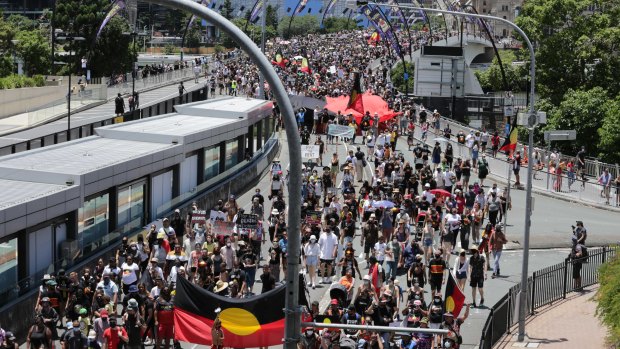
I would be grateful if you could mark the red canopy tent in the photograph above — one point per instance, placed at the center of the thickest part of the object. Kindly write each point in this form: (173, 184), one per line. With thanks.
(372, 103)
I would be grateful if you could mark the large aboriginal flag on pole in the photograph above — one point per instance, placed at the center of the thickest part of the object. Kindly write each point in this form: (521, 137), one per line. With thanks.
(510, 143)
(247, 323)
(355, 98)
(454, 298)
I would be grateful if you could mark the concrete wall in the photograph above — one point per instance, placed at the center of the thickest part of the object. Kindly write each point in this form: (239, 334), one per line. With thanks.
(22, 100)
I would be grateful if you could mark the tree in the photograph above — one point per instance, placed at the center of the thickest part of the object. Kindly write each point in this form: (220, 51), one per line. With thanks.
(609, 133)
(576, 47)
(272, 17)
(113, 52)
(301, 25)
(34, 50)
(398, 76)
(336, 24)
(583, 111)
(491, 78)
(608, 298)
(227, 11)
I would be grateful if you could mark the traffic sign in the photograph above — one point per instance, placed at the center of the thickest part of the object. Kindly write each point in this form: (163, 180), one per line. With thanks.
(560, 135)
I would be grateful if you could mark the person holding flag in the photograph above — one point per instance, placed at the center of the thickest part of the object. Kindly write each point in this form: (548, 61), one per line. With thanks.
(355, 98)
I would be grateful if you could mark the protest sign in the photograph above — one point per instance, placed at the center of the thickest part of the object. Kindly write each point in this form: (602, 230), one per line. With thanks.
(199, 217)
(310, 151)
(222, 228)
(248, 221)
(217, 216)
(313, 217)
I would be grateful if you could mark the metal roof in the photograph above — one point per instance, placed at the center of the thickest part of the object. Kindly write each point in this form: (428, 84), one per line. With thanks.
(16, 192)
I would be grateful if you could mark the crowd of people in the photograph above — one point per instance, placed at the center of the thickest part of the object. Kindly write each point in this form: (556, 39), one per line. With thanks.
(404, 212)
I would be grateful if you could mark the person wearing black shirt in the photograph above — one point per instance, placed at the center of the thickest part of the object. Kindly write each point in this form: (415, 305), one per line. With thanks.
(437, 267)
(305, 136)
(240, 276)
(257, 194)
(178, 224)
(477, 274)
(268, 281)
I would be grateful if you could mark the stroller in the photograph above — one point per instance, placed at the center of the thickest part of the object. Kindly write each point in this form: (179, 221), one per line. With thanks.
(339, 292)
(419, 225)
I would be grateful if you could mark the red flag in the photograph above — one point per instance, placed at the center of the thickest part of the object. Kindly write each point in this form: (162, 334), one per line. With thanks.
(279, 59)
(454, 298)
(252, 322)
(355, 99)
(374, 276)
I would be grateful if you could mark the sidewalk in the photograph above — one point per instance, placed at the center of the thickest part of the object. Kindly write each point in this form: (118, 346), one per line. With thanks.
(570, 323)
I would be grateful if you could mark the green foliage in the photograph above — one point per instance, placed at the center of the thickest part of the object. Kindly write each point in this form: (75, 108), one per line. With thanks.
(174, 22)
(491, 78)
(608, 298)
(583, 111)
(336, 24)
(609, 133)
(6, 65)
(19, 81)
(301, 25)
(192, 38)
(169, 49)
(398, 77)
(575, 48)
(227, 11)
(109, 54)
(219, 48)
(272, 17)
(34, 50)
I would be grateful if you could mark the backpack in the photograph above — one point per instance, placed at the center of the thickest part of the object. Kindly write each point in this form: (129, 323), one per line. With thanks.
(585, 256)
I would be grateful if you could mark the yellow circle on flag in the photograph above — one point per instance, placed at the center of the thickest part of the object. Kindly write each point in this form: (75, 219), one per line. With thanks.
(450, 304)
(238, 321)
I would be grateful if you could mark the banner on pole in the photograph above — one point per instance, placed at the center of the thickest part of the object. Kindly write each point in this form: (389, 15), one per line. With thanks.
(341, 131)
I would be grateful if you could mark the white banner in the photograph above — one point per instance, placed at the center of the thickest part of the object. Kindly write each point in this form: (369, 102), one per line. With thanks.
(217, 216)
(310, 151)
(341, 131)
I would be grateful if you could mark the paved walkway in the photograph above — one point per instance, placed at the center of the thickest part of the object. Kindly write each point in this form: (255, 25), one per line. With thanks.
(568, 324)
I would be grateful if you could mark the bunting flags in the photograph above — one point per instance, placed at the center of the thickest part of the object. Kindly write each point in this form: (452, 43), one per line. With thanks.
(300, 6)
(330, 6)
(510, 143)
(454, 297)
(258, 6)
(251, 322)
(355, 98)
(382, 26)
(117, 6)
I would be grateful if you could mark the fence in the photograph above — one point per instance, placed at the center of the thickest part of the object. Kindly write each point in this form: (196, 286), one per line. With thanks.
(544, 287)
(593, 167)
(588, 190)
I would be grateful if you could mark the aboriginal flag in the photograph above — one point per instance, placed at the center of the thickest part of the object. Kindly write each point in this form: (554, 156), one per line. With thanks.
(279, 59)
(454, 298)
(374, 38)
(510, 144)
(355, 99)
(252, 322)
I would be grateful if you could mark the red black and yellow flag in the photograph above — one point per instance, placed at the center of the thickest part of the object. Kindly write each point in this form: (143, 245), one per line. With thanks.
(454, 298)
(247, 323)
(510, 143)
(279, 59)
(374, 38)
(305, 66)
(355, 99)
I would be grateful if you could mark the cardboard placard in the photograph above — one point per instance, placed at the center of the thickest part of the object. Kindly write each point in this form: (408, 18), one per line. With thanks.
(309, 151)
(222, 228)
(217, 216)
(199, 217)
(248, 221)
(313, 217)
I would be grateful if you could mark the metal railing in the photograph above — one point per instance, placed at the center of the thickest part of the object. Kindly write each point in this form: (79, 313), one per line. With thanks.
(593, 167)
(589, 190)
(545, 286)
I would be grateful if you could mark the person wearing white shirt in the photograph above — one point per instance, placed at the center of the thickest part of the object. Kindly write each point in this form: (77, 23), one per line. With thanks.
(438, 176)
(448, 176)
(452, 223)
(427, 195)
(328, 243)
(130, 271)
(312, 250)
(469, 140)
(336, 205)
(493, 190)
(379, 250)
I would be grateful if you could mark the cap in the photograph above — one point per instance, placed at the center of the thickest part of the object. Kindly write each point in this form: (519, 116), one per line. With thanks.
(579, 223)
(424, 320)
(427, 185)
(372, 215)
(367, 277)
(312, 237)
(154, 259)
(104, 314)
(69, 325)
(275, 211)
(132, 304)
(241, 243)
(51, 283)
(334, 302)
(417, 302)
(9, 335)
(165, 219)
(92, 334)
(83, 311)
(448, 314)
(47, 277)
(133, 288)
(161, 235)
(177, 211)
(45, 299)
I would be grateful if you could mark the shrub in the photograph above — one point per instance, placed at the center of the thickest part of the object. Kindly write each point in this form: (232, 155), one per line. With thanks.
(19, 81)
(608, 298)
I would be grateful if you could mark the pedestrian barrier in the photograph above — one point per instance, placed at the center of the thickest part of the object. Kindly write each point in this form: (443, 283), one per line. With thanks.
(544, 287)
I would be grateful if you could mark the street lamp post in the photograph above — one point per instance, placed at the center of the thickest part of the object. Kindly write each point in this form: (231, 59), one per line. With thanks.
(69, 39)
(531, 125)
